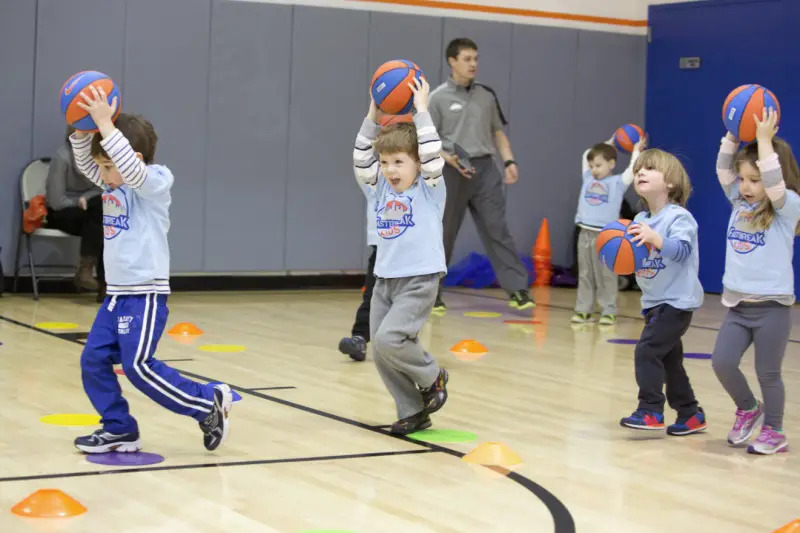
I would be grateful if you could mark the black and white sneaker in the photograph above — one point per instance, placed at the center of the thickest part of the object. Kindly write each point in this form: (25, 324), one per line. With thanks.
(101, 441)
(215, 426)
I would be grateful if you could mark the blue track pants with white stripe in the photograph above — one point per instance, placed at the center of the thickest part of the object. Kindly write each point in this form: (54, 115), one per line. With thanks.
(126, 331)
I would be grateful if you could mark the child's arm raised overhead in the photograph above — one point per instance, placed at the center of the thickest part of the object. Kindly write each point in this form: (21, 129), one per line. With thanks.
(627, 175)
(82, 149)
(725, 172)
(365, 164)
(430, 145)
(768, 163)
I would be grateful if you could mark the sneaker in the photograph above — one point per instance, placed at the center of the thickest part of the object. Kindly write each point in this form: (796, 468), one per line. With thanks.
(643, 419)
(439, 305)
(521, 300)
(769, 441)
(101, 441)
(433, 397)
(745, 423)
(580, 318)
(411, 424)
(215, 427)
(607, 320)
(355, 347)
(688, 425)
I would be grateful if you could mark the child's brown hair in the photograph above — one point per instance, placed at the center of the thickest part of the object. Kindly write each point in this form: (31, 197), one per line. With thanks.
(678, 185)
(139, 132)
(606, 151)
(398, 138)
(764, 214)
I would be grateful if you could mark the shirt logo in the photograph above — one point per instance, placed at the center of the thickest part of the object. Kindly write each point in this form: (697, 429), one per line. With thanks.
(741, 240)
(456, 106)
(115, 213)
(395, 217)
(124, 324)
(651, 268)
(596, 193)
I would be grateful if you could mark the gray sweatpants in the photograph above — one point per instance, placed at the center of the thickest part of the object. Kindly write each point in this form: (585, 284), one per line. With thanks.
(399, 309)
(767, 325)
(594, 278)
(483, 194)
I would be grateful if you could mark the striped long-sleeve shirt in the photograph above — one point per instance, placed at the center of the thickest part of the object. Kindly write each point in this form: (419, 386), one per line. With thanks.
(135, 217)
(758, 262)
(408, 224)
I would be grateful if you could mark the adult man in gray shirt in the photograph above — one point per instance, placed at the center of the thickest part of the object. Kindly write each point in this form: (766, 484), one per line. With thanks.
(470, 122)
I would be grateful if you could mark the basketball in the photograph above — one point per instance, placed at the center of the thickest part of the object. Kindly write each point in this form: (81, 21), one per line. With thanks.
(390, 88)
(388, 120)
(617, 251)
(70, 96)
(741, 104)
(627, 136)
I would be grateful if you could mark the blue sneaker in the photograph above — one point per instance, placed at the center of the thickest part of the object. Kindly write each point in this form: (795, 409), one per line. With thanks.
(643, 419)
(688, 425)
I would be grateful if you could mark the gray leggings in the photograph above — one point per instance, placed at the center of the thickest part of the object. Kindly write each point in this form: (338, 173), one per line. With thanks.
(766, 325)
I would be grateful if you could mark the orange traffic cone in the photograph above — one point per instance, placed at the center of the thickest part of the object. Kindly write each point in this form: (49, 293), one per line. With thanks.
(791, 527)
(49, 503)
(185, 328)
(541, 256)
(469, 350)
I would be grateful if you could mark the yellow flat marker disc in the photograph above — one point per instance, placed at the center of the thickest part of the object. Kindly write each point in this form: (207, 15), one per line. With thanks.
(223, 348)
(56, 325)
(483, 314)
(71, 419)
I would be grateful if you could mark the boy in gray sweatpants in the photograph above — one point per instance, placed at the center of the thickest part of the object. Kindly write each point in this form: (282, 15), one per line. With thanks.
(410, 198)
(761, 180)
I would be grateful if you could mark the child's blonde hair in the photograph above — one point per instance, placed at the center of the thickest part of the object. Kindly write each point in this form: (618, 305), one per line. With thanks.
(678, 186)
(764, 214)
(398, 138)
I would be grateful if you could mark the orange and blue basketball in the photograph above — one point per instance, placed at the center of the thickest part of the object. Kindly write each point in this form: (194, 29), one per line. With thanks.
(627, 136)
(388, 120)
(390, 88)
(741, 104)
(617, 251)
(77, 117)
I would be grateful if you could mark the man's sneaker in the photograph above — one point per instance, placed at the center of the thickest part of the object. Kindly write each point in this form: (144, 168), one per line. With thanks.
(439, 305)
(355, 347)
(643, 419)
(745, 423)
(215, 426)
(411, 424)
(688, 425)
(607, 320)
(769, 441)
(580, 318)
(521, 300)
(433, 397)
(101, 441)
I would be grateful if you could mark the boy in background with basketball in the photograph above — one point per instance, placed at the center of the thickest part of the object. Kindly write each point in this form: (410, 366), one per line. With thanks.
(410, 193)
(356, 344)
(127, 328)
(671, 291)
(599, 204)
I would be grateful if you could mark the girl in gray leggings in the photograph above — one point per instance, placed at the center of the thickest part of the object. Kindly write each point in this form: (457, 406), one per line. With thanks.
(762, 182)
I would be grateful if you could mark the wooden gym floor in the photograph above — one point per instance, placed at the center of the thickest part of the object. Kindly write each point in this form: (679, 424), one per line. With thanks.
(308, 449)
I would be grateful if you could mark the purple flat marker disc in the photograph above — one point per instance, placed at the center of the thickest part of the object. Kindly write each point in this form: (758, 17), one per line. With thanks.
(697, 355)
(124, 459)
(623, 341)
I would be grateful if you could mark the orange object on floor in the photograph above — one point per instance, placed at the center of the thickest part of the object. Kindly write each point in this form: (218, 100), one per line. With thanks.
(49, 503)
(541, 256)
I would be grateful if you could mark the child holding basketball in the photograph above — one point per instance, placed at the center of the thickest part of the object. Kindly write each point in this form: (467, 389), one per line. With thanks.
(410, 193)
(671, 291)
(599, 204)
(762, 182)
(127, 328)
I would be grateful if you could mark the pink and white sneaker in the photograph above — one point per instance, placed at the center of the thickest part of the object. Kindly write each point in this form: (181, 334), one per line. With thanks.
(769, 442)
(746, 422)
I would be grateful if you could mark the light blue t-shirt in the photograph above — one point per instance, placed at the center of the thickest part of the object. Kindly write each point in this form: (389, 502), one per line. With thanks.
(759, 262)
(372, 232)
(409, 229)
(600, 200)
(670, 276)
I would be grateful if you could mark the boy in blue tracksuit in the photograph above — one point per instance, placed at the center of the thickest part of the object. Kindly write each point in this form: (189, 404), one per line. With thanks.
(127, 328)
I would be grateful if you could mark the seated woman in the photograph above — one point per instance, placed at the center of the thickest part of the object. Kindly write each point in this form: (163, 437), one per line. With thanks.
(75, 206)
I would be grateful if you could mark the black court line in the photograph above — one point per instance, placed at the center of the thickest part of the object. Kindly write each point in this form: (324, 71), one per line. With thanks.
(175, 360)
(562, 519)
(565, 308)
(272, 388)
(213, 465)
